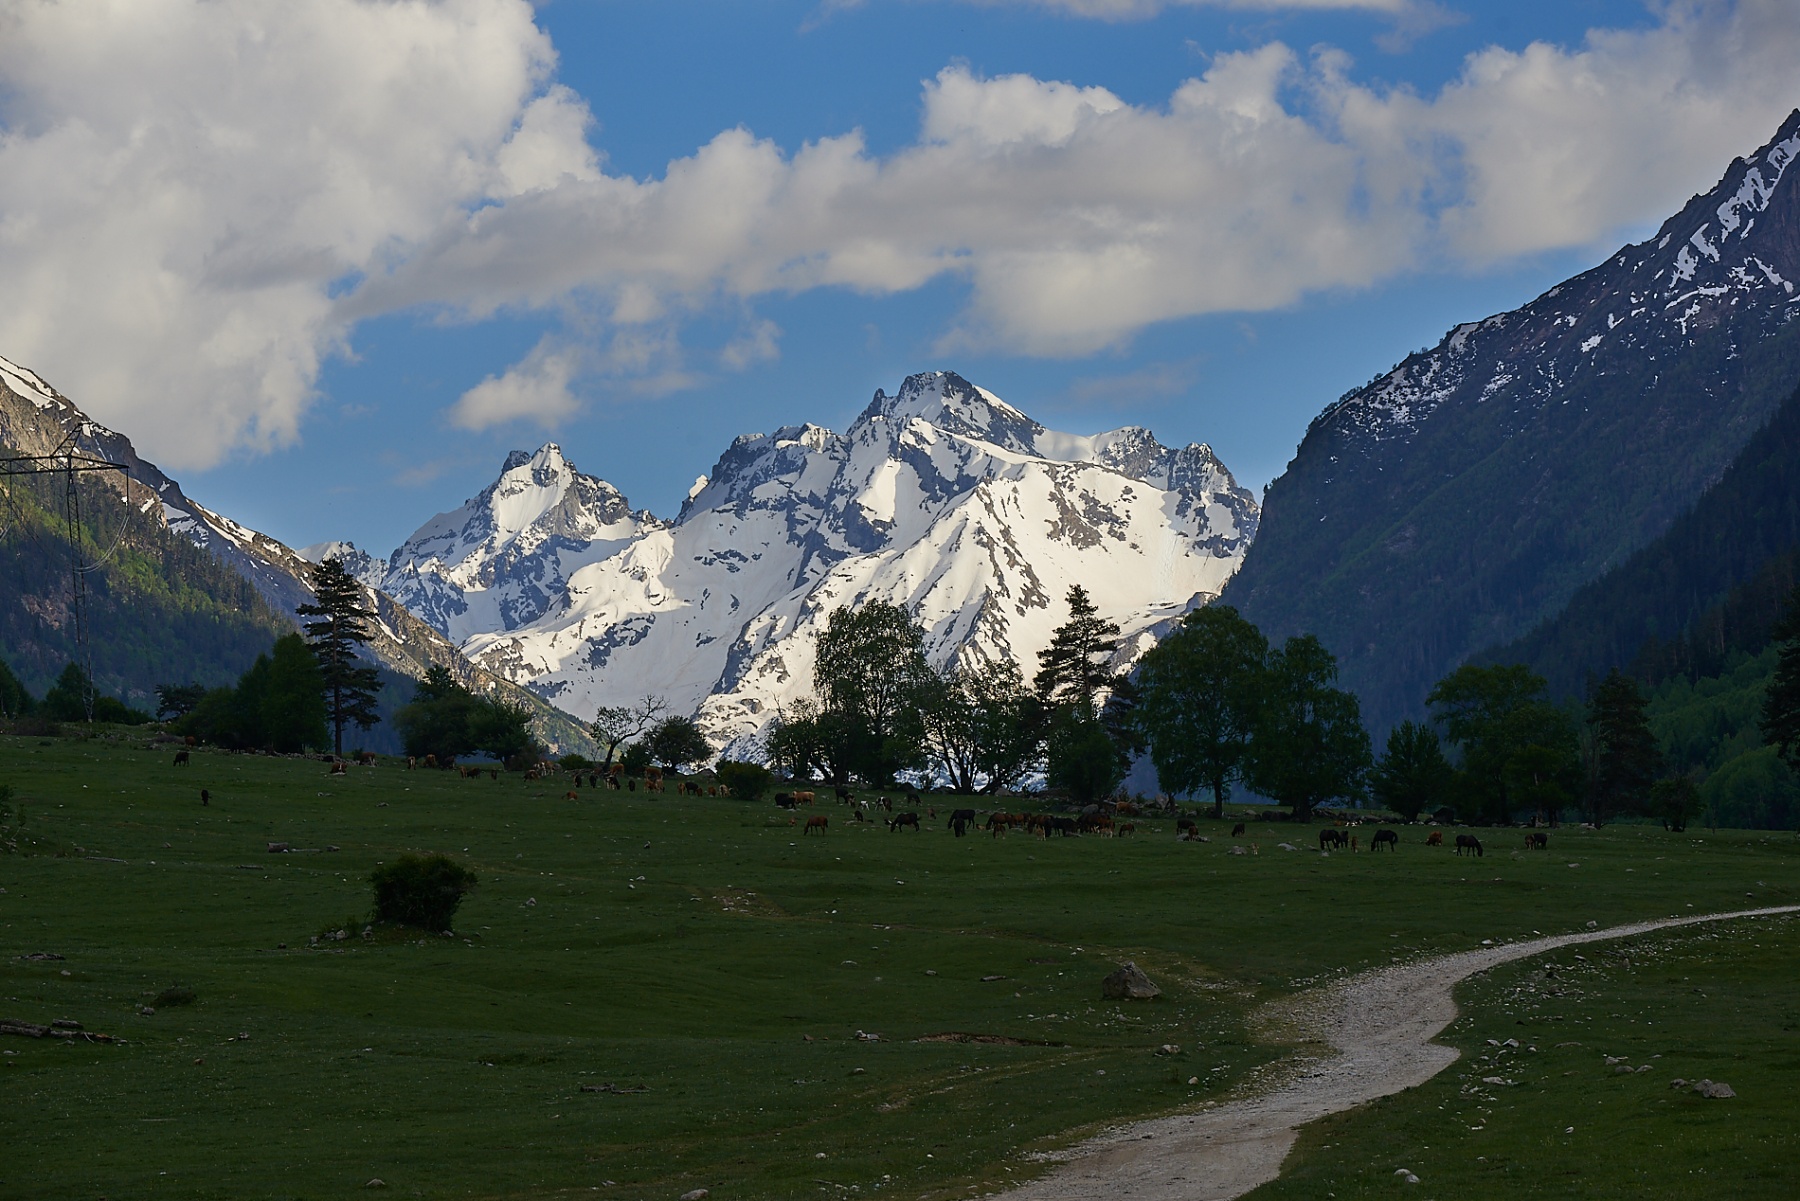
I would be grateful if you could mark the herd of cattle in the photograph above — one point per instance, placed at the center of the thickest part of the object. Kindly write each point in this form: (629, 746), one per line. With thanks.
(1094, 819)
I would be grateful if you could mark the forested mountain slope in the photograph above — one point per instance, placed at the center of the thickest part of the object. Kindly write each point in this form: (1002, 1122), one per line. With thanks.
(1713, 583)
(1465, 496)
(36, 419)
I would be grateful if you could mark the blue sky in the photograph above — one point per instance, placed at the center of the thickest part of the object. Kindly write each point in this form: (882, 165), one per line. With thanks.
(329, 263)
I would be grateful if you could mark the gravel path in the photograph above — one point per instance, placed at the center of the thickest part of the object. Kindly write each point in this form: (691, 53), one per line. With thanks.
(1379, 1026)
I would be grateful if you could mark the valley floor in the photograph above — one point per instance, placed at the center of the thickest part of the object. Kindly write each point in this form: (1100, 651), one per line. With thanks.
(647, 996)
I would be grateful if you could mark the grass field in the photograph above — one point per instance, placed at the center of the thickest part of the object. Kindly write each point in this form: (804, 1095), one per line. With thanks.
(708, 954)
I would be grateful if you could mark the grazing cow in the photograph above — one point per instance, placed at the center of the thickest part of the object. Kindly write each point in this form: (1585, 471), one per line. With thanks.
(1127, 828)
(431, 761)
(1186, 829)
(1331, 837)
(1237, 831)
(1537, 840)
(571, 795)
(1470, 843)
(493, 773)
(1386, 838)
(1066, 826)
(367, 758)
(904, 819)
(912, 795)
(181, 758)
(961, 819)
(531, 774)
(653, 779)
(844, 795)
(1435, 838)
(205, 797)
(411, 763)
(784, 800)
(816, 823)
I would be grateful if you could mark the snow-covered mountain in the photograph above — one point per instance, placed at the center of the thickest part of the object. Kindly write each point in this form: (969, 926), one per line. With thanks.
(943, 498)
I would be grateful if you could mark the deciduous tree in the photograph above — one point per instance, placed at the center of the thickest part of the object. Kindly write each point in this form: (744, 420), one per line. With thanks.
(1413, 773)
(1310, 746)
(1197, 696)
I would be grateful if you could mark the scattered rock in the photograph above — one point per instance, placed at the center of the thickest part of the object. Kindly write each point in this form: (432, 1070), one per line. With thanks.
(1128, 984)
(65, 1024)
(991, 979)
(277, 848)
(1235, 850)
(376, 1182)
(863, 1036)
(698, 1194)
(1287, 846)
(1193, 1080)
(1622, 1070)
(1716, 1089)
(1678, 1082)
(1168, 1049)
(1406, 1175)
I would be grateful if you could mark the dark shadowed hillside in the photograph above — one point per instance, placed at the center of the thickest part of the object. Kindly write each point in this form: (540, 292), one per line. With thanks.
(1459, 500)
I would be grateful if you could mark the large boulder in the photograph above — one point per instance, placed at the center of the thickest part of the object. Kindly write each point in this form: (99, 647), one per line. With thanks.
(1128, 984)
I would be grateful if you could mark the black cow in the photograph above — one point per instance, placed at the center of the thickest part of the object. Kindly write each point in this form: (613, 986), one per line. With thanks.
(903, 819)
(1237, 831)
(844, 795)
(181, 758)
(1470, 843)
(1332, 837)
(1185, 828)
(1386, 838)
(961, 820)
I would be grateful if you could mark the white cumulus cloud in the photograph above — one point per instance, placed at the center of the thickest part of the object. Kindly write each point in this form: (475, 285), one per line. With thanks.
(183, 184)
(199, 199)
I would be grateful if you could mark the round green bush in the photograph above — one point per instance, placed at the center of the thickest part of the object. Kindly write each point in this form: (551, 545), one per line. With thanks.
(747, 781)
(420, 891)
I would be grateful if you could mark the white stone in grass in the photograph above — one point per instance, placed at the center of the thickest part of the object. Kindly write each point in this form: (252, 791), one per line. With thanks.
(698, 1194)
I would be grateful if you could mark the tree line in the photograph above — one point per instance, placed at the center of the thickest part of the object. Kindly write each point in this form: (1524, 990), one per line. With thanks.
(1212, 704)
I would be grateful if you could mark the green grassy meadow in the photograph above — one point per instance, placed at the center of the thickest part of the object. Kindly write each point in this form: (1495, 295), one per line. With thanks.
(646, 996)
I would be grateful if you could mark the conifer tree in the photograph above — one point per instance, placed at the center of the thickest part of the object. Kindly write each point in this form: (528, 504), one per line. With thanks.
(1626, 761)
(1781, 704)
(340, 630)
(1077, 665)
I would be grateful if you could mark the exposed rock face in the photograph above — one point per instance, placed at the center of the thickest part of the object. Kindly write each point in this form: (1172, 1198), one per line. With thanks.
(1129, 984)
(943, 498)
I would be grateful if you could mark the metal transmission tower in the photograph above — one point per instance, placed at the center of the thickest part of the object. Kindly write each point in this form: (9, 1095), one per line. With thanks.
(71, 464)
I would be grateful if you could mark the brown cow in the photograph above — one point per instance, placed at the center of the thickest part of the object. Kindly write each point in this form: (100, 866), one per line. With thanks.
(803, 798)
(1127, 828)
(571, 795)
(181, 759)
(1435, 839)
(816, 823)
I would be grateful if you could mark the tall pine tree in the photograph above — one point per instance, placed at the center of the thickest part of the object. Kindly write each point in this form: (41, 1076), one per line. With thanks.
(1781, 704)
(1626, 761)
(340, 630)
(1077, 665)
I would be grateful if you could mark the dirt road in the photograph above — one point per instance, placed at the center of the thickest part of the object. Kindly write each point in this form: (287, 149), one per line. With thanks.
(1379, 1027)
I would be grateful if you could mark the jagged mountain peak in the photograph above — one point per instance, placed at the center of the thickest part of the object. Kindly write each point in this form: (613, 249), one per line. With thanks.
(942, 497)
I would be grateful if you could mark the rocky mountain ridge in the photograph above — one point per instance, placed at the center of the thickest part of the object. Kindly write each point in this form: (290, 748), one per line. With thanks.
(36, 419)
(1460, 498)
(942, 497)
